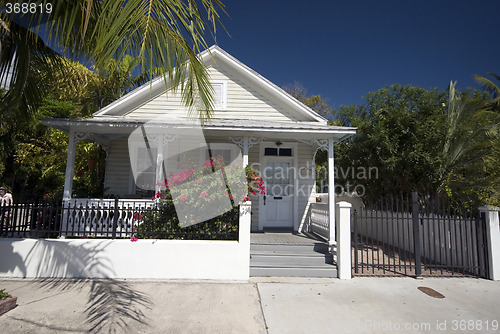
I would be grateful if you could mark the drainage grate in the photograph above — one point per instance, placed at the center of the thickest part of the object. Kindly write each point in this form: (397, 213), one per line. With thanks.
(430, 292)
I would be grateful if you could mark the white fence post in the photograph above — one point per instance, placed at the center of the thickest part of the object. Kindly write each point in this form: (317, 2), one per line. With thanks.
(244, 233)
(343, 230)
(493, 236)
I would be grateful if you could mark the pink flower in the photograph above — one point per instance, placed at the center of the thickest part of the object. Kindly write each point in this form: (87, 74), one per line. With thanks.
(183, 197)
(133, 239)
(203, 194)
(245, 198)
(137, 216)
(208, 163)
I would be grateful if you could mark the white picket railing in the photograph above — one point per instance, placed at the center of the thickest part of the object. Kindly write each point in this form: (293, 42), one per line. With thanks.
(318, 219)
(97, 217)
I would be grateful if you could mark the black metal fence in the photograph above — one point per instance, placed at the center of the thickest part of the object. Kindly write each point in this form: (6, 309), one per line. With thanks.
(418, 237)
(111, 219)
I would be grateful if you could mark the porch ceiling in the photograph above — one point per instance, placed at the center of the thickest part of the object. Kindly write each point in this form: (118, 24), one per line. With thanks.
(114, 127)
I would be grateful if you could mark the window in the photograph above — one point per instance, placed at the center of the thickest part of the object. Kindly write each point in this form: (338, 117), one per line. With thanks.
(225, 154)
(228, 152)
(285, 152)
(271, 151)
(146, 165)
(220, 94)
(278, 152)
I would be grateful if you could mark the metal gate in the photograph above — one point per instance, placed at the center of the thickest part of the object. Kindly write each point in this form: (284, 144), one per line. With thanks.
(405, 237)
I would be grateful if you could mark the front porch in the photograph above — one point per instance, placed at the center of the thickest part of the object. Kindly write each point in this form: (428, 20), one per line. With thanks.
(283, 154)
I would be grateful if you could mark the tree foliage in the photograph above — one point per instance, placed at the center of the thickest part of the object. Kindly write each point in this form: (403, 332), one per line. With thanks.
(35, 155)
(315, 102)
(435, 142)
(164, 35)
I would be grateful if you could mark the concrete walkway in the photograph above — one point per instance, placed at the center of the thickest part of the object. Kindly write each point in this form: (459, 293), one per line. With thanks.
(263, 305)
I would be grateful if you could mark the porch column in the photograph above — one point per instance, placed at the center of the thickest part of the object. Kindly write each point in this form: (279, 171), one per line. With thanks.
(70, 167)
(331, 193)
(159, 163)
(245, 151)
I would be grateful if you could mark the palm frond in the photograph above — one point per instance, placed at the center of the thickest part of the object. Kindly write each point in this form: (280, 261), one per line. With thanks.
(165, 35)
(490, 86)
(25, 62)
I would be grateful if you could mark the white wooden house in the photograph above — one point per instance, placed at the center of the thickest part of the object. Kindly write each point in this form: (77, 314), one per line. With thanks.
(272, 129)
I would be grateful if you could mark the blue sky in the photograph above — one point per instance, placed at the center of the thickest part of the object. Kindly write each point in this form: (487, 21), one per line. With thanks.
(345, 49)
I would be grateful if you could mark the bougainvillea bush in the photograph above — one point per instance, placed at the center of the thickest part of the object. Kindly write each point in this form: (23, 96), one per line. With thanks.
(201, 196)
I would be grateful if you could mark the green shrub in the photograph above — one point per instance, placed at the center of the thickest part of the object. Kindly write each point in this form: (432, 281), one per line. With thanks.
(4, 294)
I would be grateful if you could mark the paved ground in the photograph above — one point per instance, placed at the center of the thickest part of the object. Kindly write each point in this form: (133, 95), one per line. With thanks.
(263, 305)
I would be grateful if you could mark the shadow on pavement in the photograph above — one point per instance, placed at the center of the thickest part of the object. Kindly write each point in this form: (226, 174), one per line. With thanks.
(112, 305)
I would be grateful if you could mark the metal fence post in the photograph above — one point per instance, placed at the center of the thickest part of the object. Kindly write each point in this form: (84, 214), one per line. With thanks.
(355, 240)
(416, 234)
(115, 219)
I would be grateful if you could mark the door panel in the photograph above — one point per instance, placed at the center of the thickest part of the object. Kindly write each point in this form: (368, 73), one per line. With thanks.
(278, 205)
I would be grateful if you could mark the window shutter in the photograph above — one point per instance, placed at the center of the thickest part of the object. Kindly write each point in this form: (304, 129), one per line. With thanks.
(219, 95)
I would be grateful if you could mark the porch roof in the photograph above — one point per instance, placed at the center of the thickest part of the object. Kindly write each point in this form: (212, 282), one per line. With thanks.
(115, 127)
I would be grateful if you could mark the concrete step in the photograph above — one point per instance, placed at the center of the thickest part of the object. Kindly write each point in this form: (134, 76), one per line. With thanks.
(318, 247)
(312, 260)
(290, 258)
(288, 271)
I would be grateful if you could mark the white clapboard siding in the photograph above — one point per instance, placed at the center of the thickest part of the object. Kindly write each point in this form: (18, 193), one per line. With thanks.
(243, 102)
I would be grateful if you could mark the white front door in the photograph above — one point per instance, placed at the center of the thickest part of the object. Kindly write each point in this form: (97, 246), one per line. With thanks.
(277, 203)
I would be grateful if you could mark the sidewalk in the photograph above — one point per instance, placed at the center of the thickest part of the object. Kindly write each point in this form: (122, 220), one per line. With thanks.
(283, 305)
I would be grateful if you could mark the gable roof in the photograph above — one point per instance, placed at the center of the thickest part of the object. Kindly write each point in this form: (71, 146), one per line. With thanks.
(156, 87)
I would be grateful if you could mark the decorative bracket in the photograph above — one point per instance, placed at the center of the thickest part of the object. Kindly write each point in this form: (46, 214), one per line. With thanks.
(322, 143)
(251, 141)
(79, 136)
(169, 138)
(237, 140)
(165, 139)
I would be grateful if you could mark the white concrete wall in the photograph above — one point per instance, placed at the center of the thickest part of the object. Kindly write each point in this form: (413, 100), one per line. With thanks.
(160, 259)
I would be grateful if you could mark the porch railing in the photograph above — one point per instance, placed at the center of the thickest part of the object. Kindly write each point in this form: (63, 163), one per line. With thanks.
(319, 219)
(108, 219)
